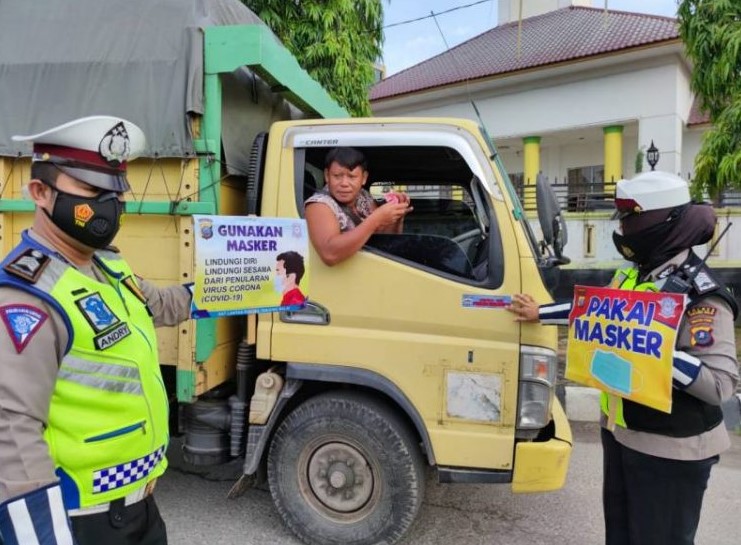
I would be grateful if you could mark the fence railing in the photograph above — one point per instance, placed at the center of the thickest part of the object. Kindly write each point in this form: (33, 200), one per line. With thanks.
(587, 197)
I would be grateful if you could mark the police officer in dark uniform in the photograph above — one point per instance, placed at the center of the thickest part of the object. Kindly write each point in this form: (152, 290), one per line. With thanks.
(83, 410)
(657, 465)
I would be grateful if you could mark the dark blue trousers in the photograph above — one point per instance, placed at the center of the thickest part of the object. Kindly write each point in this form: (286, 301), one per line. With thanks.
(650, 500)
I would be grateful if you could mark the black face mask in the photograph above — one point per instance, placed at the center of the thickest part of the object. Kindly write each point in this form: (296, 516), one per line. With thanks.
(93, 221)
(647, 247)
(639, 248)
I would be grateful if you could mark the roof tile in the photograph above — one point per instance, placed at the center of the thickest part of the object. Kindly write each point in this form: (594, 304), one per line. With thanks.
(559, 36)
(697, 116)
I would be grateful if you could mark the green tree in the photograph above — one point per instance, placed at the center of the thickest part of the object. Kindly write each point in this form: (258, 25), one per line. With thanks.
(335, 41)
(711, 30)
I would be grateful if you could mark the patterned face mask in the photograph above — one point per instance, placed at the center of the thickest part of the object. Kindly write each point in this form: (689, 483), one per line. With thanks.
(92, 221)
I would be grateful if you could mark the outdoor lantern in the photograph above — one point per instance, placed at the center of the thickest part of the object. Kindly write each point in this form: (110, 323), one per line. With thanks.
(652, 155)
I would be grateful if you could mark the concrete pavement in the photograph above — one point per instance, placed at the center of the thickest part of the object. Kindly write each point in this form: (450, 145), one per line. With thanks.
(196, 509)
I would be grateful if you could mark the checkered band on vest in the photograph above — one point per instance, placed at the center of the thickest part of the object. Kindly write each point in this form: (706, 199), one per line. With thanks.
(123, 474)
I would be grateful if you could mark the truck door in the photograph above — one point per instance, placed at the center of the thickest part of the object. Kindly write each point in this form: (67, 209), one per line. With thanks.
(423, 309)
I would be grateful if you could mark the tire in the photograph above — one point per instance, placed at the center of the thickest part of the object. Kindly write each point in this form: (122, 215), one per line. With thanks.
(343, 469)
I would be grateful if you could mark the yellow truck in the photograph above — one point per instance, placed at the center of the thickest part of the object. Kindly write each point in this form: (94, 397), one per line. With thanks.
(403, 358)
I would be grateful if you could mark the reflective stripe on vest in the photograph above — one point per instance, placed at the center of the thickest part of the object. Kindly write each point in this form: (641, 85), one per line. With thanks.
(624, 279)
(108, 420)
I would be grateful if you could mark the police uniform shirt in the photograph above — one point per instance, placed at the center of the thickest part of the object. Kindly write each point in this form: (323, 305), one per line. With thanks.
(707, 332)
(27, 380)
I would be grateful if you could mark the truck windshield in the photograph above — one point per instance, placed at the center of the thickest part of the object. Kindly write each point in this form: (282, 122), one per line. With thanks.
(517, 209)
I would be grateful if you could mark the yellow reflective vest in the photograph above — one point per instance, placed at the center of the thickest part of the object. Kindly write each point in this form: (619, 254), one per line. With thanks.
(108, 420)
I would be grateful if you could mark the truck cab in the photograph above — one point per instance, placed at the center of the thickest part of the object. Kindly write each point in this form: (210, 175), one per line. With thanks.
(404, 356)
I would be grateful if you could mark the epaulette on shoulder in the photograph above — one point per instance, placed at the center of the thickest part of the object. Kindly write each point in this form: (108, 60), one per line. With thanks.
(705, 284)
(28, 265)
(704, 281)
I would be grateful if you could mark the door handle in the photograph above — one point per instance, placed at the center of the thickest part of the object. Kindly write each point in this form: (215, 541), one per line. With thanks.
(313, 313)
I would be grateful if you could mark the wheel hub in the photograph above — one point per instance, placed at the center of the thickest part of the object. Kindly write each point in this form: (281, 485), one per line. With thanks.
(339, 477)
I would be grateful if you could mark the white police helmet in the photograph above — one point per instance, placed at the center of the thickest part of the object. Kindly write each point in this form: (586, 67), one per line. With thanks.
(93, 149)
(652, 190)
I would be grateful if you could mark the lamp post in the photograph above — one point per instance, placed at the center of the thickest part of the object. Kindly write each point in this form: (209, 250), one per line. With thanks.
(652, 155)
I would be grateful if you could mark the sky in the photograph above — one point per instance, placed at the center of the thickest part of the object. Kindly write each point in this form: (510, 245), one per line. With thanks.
(409, 44)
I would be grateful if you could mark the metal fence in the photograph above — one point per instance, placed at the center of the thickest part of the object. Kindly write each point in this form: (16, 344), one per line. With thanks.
(589, 197)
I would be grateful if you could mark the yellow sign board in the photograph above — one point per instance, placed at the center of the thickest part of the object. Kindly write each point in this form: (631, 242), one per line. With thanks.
(248, 265)
(622, 342)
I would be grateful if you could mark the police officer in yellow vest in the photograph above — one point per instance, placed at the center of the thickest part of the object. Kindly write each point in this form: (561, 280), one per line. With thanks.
(657, 465)
(83, 408)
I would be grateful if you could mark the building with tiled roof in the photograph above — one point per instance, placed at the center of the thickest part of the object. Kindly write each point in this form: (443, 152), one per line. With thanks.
(585, 89)
(562, 36)
(571, 91)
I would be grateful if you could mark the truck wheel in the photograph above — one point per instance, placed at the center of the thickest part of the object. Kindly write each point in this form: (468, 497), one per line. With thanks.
(343, 469)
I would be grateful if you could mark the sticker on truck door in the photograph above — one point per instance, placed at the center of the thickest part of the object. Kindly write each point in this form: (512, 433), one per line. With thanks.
(470, 300)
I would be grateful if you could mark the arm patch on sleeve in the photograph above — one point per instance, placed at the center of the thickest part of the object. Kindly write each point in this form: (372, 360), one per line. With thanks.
(701, 314)
(701, 320)
(22, 322)
(701, 335)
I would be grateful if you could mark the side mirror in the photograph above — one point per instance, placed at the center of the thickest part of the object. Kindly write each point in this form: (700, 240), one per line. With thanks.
(551, 221)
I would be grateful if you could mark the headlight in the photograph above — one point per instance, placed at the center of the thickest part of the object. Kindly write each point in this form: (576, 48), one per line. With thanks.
(538, 367)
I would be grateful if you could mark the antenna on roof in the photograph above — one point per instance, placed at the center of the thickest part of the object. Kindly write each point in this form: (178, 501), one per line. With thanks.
(465, 79)
(604, 21)
(519, 32)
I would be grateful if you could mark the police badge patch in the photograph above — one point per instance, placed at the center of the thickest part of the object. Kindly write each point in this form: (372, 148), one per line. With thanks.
(701, 319)
(701, 315)
(115, 145)
(99, 315)
(96, 312)
(701, 336)
(22, 323)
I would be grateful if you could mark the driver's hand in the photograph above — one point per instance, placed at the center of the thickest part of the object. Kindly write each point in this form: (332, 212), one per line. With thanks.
(391, 213)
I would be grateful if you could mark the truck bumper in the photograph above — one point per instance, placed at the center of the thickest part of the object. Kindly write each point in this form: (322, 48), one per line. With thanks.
(542, 466)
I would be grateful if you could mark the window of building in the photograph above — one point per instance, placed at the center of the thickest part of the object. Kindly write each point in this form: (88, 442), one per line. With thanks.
(587, 179)
(585, 185)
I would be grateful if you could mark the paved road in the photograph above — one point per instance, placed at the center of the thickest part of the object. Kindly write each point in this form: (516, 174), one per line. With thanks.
(197, 511)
